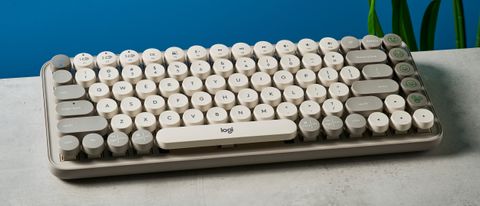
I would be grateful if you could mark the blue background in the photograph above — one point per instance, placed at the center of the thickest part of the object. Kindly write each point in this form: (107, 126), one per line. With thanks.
(32, 32)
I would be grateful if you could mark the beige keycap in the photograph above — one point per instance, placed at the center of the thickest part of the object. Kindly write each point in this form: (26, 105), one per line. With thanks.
(169, 119)
(332, 107)
(200, 69)
(290, 63)
(310, 108)
(371, 42)
(332, 126)
(285, 47)
(316, 92)
(305, 78)
(121, 90)
(193, 117)
(263, 112)
(219, 51)
(60, 62)
(282, 79)
(401, 121)
(152, 56)
(248, 97)
(306, 46)
(378, 87)
(132, 73)
(287, 110)
(245, 65)
(334, 60)
(154, 104)
(225, 99)
(85, 77)
(260, 80)
(423, 119)
(145, 88)
(131, 106)
(76, 125)
(69, 147)
(356, 125)
(328, 44)
(268, 64)
(349, 74)
(177, 70)
(192, 84)
(217, 115)
(294, 94)
(93, 144)
(309, 128)
(142, 141)
(168, 86)
(74, 108)
(378, 122)
(328, 76)
(98, 91)
(121, 123)
(223, 67)
(394, 102)
(118, 143)
(129, 57)
(263, 48)
(107, 108)
(108, 75)
(62, 77)
(177, 102)
(271, 96)
(146, 121)
(155, 72)
(240, 113)
(241, 50)
(107, 59)
(174, 54)
(312, 61)
(201, 101)
(237, 81)
(215, 83)
(349, 43)
(196, 53)
(83, 60)
(339, 91)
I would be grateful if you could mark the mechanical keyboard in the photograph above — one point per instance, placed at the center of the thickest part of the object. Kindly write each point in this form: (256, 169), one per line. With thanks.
(127, 113)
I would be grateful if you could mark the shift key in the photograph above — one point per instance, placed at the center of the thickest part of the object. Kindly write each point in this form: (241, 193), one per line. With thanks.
(378, 87)
(77, 125)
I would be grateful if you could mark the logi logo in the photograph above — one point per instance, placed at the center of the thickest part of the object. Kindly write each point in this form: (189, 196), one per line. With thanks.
(226, 130)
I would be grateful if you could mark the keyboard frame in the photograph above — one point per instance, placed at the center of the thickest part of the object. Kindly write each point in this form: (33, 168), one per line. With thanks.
(244, 154)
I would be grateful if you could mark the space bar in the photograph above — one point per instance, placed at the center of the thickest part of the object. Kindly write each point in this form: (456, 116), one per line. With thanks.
(226, 134)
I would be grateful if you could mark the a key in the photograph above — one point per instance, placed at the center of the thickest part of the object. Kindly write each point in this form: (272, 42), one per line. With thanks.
(282, 79)
(201, 101)
(261, 80)
(225, 99)
(118, 143)
(377, 71)
(93, 144)
(394, 102)
(310, 129)
(217, 115)
(333, 127)
(285, 47)
(332, 107)
(360, 58)
(146, 121)
(310, 108)
(196, 53)
(85, 77)
(287, 110)
(60, 62)
(178, 102)
(69, 92)
(391, 41)
(223, 67)
(193, 117)
(174, 54)
(142, 141)
(107, 59)
(155, 72)
(267, 64)
(364, 105)
(271, 96)
(356, 125)
(401, 121)
(378, 123)
(416, 101)
(154, 104)
(131, 106)
(107, 108)
(177, 70)
(316, 92)
(98, 91)
(145, 88)
(240, 113)
(83, 60)
(328, 76)
(328, 44)
(152, 56)
(129, 57)
(245, 66)
(219, 51)
(290, 63)
(74, 108)
(215, 83)
(423, 119)
(168, 86)
(200, 69)
(62, 77)
(339, 91)
(122, 123)
(312, 61)
(132, 73)
(349, 74)
(169, 119)
(293, 94)
(237, 82)
(397, 55)
(404, 69)
(263, 48)
(69, 147)
(122, 89)
(371, 42)
(305, 78)
(191, 85)
(241, 50)
(349, 43)
(263, 112)
(78, 125)
(379, 87)
(306, 46)
(248, 97)
(334, 60)
(410, 84)
(108, 75)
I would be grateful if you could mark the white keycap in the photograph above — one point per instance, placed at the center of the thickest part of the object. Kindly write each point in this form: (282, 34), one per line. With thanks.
(83, 60)
(248, 97)
(169, 119)
(168, 86)
(339, 91)
(155, 72)
(152, 56)
(219, 51)
(107, 108)
(191, 84)
(327, 76)
(122, 123)
(122, 89)
(240, 113)
(312, 61)
(245, 66)
(291, 63)
(217, 115)
(132, 73)
(378, 122)
(201, 101)
(177, 102)
(267, 64)
(271, 96)
(334, 60)
(98, 91)
(401, 121)
(225, 99)
(293, 94)
(260, 80)
(305, 78)
(285, 47)
(177, 70)
(145, 88)
(328, 44)
(307, 46)
(310, 108)
(200, 69)
(174, 54)
(108, 75)
(107, 59)
(263, 112)
(282, 79)
(316, 92)
(154, 104)
(287, 110)
(394, 102)
(237, 81)
(193, 117)
(129, 57)
(423, 119)
(131, 106)
(241, 50)
(332, 107)
(85, 77)
(263, 48)
(146, 121)
(215, 83)
(349, 74)
(223, 67)
(197, 52)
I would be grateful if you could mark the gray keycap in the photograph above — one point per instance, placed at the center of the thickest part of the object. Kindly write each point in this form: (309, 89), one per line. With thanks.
(310, 129)
(349, 43)
(377, 71)
(391, 41)
(142, 141)
(69, 92)
(359, 58)
(93, 145)
(74, 108)
(364, 105)
(118, 143)
(356, 125)
(410, 84)
(62, 77)
(378, 87)
(69, 147)
(404, 69)
(416, 101)
(371, 42)
(82, 125)
(397, 55)
(333, 126)
(60, 61)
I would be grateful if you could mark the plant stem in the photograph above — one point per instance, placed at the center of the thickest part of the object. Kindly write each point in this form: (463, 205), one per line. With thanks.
(459, 23)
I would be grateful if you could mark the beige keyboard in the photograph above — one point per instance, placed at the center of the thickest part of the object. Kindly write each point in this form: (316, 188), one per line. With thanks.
(127, 113)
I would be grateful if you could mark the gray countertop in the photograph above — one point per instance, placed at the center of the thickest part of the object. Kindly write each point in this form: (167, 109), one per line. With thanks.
(446, 175)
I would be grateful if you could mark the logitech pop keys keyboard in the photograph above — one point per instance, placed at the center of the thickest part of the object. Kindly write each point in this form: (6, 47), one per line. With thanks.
(117, 114)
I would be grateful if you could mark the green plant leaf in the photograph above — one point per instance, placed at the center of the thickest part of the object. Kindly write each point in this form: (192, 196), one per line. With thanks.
(477, 44)
(459, 23)
(402, 23)
(429, 24)
(374, 26)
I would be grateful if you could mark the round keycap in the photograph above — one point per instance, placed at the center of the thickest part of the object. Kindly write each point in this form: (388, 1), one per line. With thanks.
(410, 84)
(60, 61)
(62, 77)
(142, 141)
(356, 124)
(416, 101)
(118, 143)
(69, 147)
(310, 128)
(404, 69)
(391, 41)
(378, 122)
(423, 119)
(397, 55)
(401, 121)
(333, 126)
(371, 42)
(93, 144)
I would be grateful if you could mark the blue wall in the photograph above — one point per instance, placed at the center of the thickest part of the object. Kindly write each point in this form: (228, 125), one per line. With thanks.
(32, 32)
